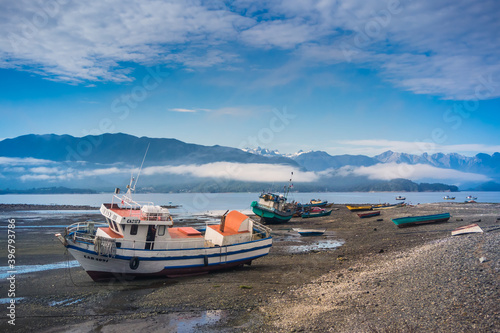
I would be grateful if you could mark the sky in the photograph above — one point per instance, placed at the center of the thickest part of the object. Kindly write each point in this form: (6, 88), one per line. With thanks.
(345, 77)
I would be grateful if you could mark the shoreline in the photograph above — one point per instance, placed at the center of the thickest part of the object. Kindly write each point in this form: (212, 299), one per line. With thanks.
(361, 286)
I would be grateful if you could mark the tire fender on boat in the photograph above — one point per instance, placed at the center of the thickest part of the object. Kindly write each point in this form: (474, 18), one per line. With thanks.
(205, 260)
(134, 263)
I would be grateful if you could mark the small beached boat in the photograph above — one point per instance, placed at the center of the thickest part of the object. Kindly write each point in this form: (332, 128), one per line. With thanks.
(369, 214)
(354, 208)
(310, 232)
(388, 206)
(139, 240)
(414, 220)
(316, 213)
(467, 229)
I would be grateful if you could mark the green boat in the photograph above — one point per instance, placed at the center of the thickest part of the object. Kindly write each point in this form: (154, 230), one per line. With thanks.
(273, 208)
(413, 220)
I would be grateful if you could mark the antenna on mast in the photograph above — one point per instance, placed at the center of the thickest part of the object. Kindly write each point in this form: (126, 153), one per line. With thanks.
(141, 166)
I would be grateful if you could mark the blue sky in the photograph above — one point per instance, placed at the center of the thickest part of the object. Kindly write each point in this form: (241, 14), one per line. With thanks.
(346, 77)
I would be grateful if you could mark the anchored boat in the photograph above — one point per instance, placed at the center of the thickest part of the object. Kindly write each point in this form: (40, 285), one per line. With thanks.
(139, 239)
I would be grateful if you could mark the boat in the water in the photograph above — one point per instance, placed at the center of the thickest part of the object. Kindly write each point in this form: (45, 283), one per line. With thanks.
(369, 214)
(470, 199)
(447, 197)
(310, 232)
(414, 220)
(139, 240)
(354, 208)
(399, 197)
(316, 212)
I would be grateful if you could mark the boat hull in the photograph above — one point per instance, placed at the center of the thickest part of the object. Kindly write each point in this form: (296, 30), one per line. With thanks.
(271, 216)
(358, 208)
(169, 263)
(370, 214)
(307, 214)
(415, 220)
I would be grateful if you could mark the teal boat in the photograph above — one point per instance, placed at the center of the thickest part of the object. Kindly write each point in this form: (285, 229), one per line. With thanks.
(319, 213)
(273, 208)
(413, 220)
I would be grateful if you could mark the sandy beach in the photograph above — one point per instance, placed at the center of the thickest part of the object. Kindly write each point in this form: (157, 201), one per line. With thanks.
(362, 275)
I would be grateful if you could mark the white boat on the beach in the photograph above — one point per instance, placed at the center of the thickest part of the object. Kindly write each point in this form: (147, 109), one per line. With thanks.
(140, 240)
(310, 232)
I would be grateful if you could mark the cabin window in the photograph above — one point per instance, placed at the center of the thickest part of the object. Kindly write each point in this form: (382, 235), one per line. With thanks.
(133, 229)
(161, 230)
(123, 228)
(118, 245)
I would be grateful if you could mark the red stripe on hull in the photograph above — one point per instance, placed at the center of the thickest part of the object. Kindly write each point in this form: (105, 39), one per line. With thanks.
(174, 272)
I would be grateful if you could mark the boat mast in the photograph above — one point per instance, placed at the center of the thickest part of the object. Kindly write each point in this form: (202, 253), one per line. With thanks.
(287, 188)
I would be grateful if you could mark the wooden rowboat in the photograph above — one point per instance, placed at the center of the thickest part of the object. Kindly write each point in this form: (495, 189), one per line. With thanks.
(413, 220)
(369, 214)
(310, 232)
(354, 208)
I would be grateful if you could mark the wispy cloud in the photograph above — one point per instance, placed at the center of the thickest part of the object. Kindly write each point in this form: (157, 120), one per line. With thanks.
(446, 48)
(183, 110)
(23, 161)
(414, 172)
(254, 172)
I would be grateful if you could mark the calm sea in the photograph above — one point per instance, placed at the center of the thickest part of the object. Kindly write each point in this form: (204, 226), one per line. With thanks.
(206, 203)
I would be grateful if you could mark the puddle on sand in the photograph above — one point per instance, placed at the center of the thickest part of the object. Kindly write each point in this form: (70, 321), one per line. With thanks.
(316, 246)
(66, 302)
(6, 271)
(190, 321)
(8, 300)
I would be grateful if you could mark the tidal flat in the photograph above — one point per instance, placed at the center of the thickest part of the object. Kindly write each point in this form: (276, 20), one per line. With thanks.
(362, 275)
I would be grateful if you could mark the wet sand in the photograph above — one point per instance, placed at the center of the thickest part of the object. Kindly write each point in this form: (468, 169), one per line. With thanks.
(382, 279)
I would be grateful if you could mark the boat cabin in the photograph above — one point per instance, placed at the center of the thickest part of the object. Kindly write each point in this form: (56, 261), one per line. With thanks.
(150, 227)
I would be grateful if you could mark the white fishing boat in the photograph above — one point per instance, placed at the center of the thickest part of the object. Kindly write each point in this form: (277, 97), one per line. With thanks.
(139, 239)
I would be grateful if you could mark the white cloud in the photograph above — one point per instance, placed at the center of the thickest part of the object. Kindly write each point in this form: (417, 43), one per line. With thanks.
(446, 48)
(254, 172)
(23, 161)
(184, 110)
(415, 172)
(45, 170)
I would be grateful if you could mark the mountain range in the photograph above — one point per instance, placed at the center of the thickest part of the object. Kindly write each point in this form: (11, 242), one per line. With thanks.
(99, 162)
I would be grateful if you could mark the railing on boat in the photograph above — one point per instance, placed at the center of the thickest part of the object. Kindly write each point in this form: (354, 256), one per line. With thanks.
(266, 231)
(83, 231)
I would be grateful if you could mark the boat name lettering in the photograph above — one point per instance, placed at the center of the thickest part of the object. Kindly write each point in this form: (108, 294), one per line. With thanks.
(96, 259)
(133, 221)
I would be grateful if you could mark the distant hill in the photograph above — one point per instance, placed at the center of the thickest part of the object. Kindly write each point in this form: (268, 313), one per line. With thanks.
(113, 148)
(65, 164)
